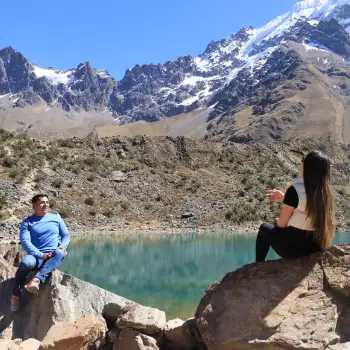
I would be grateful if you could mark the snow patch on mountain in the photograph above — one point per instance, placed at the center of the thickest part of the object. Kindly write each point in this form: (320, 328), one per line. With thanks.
(314, 10)
(317, 8)
(55, 77)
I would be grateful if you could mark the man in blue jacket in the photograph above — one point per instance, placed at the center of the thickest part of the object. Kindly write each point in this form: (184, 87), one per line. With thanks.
(44, 236)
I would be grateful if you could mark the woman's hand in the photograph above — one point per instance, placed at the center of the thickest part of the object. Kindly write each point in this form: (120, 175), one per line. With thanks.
(275, 195)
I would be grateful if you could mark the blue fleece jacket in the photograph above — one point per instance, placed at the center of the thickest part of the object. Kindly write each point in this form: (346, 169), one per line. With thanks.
(43, 234)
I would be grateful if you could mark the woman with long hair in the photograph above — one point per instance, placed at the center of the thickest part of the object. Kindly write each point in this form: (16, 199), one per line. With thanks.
(306, 223)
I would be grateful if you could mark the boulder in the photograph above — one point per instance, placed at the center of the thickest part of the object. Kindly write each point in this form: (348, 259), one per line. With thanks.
(145, 319)
(130, 339)
(6, 344)
(30, 344)
(281, 304)
(179, 333)
(118, 176)
(78, 335)
(62, 300)
(113, 334)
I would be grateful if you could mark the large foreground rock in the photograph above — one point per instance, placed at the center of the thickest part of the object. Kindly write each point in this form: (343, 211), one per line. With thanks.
(297, 304)
(180, 333)
(145, 319)
(129, 339)
(63, 300)
(79, 335)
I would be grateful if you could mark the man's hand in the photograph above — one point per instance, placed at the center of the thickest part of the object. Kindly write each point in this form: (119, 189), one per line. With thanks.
(63, 249)
(275, 195)
(47, 256)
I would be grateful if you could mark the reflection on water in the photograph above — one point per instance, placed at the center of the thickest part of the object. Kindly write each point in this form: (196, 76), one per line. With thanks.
(170, 273)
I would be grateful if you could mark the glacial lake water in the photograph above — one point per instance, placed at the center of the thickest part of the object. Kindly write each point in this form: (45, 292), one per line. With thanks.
(170, 273)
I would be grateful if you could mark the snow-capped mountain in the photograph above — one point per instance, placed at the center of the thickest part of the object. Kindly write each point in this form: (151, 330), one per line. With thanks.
(81, 88)
(232, 75)
(153, 92)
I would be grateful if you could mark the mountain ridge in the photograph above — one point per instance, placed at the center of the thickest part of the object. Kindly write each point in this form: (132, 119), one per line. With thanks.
(189, 84)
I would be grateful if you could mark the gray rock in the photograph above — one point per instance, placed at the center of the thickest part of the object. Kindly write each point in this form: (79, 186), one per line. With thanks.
(186, 215)
(118, 176)
(4, 84)
(130, 339)
(30, 344)
(278, 304)
(62, 300)
(113, 334)
(179, 333)
(82, 334)
(145, 319)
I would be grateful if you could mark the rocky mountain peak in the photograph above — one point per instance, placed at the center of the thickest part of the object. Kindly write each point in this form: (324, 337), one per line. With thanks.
(227, 75)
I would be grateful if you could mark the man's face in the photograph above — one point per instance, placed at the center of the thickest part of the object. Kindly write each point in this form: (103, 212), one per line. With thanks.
(42, 206)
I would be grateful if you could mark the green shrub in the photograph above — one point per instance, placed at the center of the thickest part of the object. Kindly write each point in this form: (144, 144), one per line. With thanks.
(39, 177)
(194, 185)
(91, 178)
(89, 201)
(4, 215)
(108, 213)
(3, 201)
(93, 212)
(8, 162)
(148, 206)
(57, 183)
(65, 212)
(125, 205)
(15, 173)
(241, 212)
(93, 162)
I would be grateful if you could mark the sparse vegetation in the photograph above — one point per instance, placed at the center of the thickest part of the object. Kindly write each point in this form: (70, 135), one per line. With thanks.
(89, 201)
(57, 183)
(4, 215)
(8, 162)
(65, 212)
(216, 182)
(108, 213)
(125, 205)
(3, 201)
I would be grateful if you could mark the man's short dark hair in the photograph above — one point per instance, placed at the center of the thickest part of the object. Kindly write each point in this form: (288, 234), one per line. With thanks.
(39, 196)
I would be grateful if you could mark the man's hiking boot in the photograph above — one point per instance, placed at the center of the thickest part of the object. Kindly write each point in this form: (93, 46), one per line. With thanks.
(15, 303)
(33, 286)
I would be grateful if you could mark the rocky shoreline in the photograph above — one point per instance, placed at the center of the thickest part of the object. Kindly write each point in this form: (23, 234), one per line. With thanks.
(295, 304)
(9, 230)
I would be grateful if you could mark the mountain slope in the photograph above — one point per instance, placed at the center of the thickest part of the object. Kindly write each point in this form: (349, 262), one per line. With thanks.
(255, 84)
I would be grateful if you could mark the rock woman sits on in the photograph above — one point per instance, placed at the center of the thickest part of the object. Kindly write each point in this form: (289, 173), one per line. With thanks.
(306, 223)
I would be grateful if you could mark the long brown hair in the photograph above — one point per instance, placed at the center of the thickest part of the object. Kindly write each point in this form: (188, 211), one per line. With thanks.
(319, 197)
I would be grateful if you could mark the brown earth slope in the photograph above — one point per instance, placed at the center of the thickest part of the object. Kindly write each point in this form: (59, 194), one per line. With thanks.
(162, 181)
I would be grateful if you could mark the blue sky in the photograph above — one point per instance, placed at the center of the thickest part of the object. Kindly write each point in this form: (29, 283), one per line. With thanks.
(117, 34)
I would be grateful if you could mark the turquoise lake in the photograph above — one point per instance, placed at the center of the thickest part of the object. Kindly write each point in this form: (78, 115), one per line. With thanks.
(170, 273)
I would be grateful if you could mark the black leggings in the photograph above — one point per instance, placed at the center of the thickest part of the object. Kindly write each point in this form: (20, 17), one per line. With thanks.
(288, 243)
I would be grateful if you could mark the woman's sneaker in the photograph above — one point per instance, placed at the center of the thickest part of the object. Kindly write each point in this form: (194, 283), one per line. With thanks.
(33, 286)
(15, 303)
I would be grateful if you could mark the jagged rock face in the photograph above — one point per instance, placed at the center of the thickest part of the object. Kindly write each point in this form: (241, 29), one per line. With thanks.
(44, 89)
(153, 92)
(279, 304)
(216, 79)
(4, 84)
(87, 88)
(18, 69)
